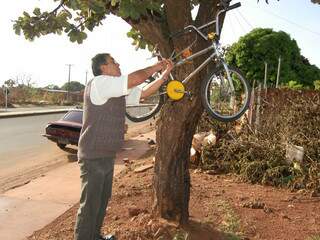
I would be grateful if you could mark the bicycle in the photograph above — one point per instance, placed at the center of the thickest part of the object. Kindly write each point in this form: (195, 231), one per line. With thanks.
(225, 93)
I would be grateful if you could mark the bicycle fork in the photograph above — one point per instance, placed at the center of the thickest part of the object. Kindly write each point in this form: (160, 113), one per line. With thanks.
(233, 95)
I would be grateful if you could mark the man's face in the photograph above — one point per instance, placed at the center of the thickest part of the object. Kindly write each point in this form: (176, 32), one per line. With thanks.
(111, 67)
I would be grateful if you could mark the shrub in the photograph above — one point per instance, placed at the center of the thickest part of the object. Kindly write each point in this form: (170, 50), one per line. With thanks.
(316, 84)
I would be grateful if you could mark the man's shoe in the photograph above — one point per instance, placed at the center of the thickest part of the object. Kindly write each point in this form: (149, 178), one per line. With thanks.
(107, 237)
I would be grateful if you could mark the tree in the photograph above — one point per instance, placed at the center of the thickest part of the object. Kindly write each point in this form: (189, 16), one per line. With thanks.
(10, 83)
(52, 87)
(152, 21)
(24, 80)
(265, 45)
(73, 86)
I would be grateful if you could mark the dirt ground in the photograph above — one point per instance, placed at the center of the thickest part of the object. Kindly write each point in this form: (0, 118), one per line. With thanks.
(221, 207)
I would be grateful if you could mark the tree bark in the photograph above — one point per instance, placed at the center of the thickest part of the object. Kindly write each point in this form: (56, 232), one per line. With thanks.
(176, 127)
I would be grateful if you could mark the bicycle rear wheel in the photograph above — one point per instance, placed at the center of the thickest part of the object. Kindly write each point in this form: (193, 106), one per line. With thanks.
(148, 107)
(225, 100)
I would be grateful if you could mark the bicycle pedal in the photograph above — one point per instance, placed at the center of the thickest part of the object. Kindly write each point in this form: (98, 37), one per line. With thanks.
(175, 90)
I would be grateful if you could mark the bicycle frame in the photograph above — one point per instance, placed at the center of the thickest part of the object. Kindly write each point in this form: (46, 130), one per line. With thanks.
(214, 55)
(200, 67)
(215, 46)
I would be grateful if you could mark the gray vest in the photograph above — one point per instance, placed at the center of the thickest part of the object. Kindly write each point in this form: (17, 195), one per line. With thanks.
(102, 132)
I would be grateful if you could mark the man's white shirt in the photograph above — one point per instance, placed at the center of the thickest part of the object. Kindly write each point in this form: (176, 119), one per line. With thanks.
(104, 87)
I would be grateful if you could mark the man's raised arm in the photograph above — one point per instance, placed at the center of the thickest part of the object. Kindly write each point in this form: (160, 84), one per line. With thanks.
(141, 75)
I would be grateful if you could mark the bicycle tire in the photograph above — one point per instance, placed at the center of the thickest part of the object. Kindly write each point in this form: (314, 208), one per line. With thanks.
(137, 117)
(207, 94)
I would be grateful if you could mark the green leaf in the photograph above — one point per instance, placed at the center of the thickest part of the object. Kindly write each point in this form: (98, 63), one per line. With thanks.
(73, 4)
(114, 2)
(37, 12)
(26, 14)
(17, 28)
(83, 35)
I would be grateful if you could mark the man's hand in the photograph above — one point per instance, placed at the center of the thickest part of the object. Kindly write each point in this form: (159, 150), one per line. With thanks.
(141, 75)
(169, 65)
(161, 65)
(168, 68)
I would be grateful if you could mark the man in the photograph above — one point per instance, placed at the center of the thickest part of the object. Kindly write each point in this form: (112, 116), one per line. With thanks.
(102, 135)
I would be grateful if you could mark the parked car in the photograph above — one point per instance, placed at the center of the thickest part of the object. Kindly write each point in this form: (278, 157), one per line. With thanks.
(66, 130)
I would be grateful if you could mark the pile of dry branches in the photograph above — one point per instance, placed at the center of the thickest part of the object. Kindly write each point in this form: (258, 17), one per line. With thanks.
(287, 118)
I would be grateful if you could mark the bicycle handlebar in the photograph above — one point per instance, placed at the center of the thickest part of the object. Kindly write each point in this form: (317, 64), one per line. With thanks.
(191, 28)
(236, 5)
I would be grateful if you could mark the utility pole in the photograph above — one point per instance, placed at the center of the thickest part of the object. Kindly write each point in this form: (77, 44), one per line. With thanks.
(86, 77)
(69, 75)
(278, 75)
(6, 94)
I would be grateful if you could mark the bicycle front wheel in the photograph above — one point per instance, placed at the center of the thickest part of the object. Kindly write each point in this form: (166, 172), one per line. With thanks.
(147, 108)
(225, 98)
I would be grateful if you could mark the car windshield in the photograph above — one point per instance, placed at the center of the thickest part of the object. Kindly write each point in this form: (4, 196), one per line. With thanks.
(73, 116)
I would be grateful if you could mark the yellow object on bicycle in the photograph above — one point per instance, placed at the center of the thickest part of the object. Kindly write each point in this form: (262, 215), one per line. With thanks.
(212, 35)
(175, 90)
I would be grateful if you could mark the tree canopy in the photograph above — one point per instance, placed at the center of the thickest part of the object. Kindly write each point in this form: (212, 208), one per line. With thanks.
(265, 45)
(73, 86)
(75, 17)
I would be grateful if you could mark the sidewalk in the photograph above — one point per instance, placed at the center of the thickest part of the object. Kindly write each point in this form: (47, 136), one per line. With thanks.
(28, 111)
(31, 207)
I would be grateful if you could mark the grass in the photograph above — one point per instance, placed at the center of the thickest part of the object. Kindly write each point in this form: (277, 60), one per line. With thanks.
(315, 237)
(231, 222)
(181, 236)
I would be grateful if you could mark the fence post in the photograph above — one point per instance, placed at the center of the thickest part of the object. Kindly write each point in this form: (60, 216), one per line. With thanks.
(278, 74)
(257, 120)
(265, 78)
(251, 104)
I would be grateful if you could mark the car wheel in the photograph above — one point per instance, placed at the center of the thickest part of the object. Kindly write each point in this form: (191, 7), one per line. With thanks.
(61, 145)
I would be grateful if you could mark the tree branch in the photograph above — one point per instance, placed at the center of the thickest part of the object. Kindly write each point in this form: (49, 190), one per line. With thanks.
(54, 11)
(207, 11)
(177, 20)
(152, 32)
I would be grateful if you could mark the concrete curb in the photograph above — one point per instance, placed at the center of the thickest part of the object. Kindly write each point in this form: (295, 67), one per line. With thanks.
(33, 113)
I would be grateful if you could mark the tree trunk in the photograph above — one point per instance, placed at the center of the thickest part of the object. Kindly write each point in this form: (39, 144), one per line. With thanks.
(176, 126)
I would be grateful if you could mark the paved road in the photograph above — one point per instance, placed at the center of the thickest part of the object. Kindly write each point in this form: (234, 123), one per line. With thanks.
(22, 146)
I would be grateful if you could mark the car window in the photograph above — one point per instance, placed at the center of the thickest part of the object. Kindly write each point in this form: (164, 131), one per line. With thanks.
(73, 116)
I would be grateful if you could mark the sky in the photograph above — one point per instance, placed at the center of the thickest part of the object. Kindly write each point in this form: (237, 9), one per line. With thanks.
(45, 59)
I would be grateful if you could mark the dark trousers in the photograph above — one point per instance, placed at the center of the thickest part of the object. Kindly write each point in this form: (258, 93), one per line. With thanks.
(96, 187)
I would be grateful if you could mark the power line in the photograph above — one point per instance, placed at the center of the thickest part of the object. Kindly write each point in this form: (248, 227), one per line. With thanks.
(286, 20)
(232, 29)
(240, 23)
(293, 23)
(245, 19)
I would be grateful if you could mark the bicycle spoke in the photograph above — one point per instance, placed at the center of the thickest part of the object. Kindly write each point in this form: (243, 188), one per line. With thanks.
(227, 100)
(147, 107)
